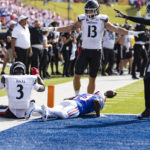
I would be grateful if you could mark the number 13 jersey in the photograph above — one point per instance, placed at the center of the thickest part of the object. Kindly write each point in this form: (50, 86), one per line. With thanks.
(92, 31)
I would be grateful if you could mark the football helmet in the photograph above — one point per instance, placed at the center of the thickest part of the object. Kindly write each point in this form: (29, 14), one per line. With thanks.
(91, 8)
(17, 67)
(128, 26)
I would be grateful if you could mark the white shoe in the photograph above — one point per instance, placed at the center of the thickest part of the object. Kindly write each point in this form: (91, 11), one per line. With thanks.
(30, 110)
(44, 113)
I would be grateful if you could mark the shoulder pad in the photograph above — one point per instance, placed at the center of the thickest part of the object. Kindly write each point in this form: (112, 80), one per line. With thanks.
(81, 17)
(104, 18)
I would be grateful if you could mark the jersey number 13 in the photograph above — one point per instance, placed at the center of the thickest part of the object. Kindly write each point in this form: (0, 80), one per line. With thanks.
(92, 31)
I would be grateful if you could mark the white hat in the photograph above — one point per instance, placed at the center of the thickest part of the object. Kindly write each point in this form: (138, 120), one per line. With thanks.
(11, 22)
(22, 17)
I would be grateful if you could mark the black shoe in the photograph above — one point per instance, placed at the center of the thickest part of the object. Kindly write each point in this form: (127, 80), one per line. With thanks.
(47, 74)
(141, 76)
(144, 114)
(2, 72)
(134, 77)
(58, 73)
(53, 73)
(104, 74)
(121, 72)
(108, 72)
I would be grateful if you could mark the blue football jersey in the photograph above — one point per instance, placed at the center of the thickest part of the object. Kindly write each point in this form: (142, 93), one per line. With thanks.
(85, 102)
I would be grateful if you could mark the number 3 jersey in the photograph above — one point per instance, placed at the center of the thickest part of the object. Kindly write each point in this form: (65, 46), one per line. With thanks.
(85, 102)
(19, 89)
(92, 31)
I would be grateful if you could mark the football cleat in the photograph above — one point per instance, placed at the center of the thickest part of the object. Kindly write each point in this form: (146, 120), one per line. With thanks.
(144, 114)
(30, 110)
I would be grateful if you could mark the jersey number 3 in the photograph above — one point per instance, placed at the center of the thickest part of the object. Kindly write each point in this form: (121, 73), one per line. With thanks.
(20, 90)
(92, 31)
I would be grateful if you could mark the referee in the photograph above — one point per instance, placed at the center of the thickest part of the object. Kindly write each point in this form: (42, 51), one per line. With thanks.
(20, 43)
(145, 21)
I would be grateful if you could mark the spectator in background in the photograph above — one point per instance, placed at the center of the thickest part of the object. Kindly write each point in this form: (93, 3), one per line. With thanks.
(73, 54)
(20, 43)
(55, 51)
(45, 59)
(9, 56)
(126, 50)
(37, 44)
(108, 52)
(66, 51)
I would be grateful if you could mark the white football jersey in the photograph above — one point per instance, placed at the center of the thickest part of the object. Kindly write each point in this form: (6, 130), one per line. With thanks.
(109, 39)
(92, 31)
(127, 41)
(18, 88)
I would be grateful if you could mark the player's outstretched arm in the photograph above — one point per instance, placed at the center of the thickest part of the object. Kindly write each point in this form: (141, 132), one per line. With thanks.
(67, 28)
(142, 20)
(40, 81)
(120, 30)
(120, 14)
(97, 105)
(41, 86)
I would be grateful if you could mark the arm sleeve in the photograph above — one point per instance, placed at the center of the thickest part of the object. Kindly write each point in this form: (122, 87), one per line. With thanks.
(14, 34)
(141, 20)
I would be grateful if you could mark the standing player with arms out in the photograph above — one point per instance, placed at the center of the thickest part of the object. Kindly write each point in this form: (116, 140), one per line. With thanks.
(92, 26)
(145, 21)
(79, 105)
(18, 87)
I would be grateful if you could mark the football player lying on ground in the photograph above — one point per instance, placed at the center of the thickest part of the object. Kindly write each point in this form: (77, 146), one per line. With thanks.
(18, 86)
(78, 105)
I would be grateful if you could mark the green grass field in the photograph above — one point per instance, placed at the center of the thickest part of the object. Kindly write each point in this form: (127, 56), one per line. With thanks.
(129, 100)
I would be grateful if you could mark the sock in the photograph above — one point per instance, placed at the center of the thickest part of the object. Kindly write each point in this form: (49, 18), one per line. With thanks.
(76, 92)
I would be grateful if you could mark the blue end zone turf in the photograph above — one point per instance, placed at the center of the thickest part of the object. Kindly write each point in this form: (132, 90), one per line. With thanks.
(115, 132)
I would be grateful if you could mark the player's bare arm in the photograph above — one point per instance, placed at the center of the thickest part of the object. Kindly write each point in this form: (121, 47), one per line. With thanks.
(97, 105)
(68, 28)
(113, 28)
(42, 87)
(121, 31)
(71, 27)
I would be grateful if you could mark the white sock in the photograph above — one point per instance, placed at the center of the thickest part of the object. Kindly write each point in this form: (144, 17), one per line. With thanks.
(76, 92)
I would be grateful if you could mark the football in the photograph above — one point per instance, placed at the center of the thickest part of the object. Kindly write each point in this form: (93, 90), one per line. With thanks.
(110, 94)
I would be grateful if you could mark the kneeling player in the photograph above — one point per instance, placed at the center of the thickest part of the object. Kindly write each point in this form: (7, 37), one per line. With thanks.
(79, 105)
(18, 87)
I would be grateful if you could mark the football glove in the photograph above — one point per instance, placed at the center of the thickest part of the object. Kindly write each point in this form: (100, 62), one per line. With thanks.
(120, 14)
(135, 33)
(34, 71)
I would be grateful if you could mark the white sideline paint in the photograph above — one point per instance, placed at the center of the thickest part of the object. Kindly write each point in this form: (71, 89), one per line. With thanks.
(65, 90)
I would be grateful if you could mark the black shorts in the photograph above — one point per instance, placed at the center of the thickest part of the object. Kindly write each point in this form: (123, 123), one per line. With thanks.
(5, 112)
(91, 57)
(125, 54)
(108, 56)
